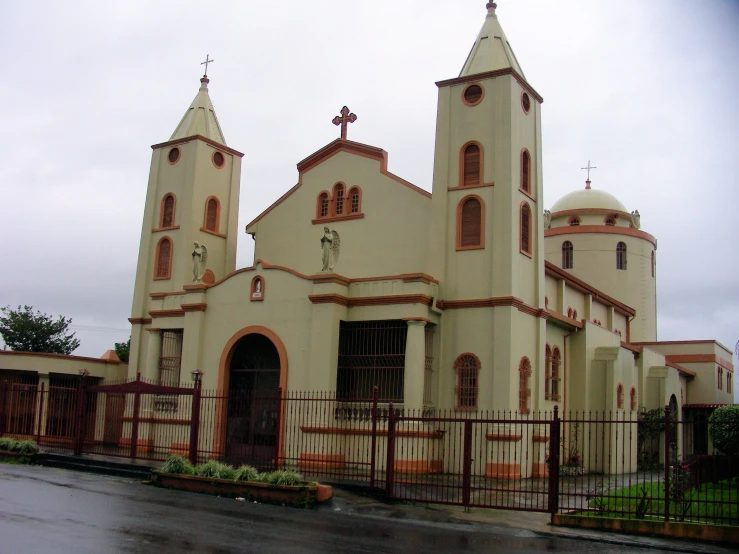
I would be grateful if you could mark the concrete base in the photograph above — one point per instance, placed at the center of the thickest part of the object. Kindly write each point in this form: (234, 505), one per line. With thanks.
(418, 467)
(503, 471)
(309, 461)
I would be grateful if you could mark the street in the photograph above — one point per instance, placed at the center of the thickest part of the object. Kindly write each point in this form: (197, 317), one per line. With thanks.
(54, 510)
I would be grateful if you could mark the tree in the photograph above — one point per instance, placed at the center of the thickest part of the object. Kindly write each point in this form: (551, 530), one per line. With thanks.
(28, 331)
(122, 350)
(724, 429)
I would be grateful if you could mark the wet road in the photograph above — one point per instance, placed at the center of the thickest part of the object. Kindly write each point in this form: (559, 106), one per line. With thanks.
(60, 511)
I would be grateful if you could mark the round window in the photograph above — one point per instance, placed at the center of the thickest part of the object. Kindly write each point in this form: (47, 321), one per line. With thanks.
(174, 155)
(473, 95)
(525, 102)
(218, 160)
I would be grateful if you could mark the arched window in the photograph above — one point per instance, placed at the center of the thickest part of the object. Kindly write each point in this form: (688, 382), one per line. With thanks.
(467, 367)
(569, 312)
(548, 373)
(525, 171)
(729, 388)
(653, 263)
(525, 228)
(524, 391)
(163, 260)
(610, 221)
(555, 374)
(621, 256)
(632, 395)
(470, 223)
(323, 204)
(620, 396)
(355, 200)
(574, 314)
(339, 199)
(568, 255)
(720, 378)
(471, 165)
(212, 214)
(167, 214)
(574, 221)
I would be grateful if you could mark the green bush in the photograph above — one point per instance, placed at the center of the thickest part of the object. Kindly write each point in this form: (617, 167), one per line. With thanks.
(178, 465)
(246, 473)
(724, 429)
(215, 470)
(6, 443)
(27, 447)
(283, 477)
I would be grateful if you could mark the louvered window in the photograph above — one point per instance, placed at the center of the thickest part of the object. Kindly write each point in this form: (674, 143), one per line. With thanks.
(471, 223)
(164, 258)
(211, 215)
(621, 256)
(467, 367)
(554, 374)
(548, 373)
(620, 396)
(526, 228)
(633, 399)
(525, 171)
(339, 199)
(472, 165)
(568, 255)
(168, 211)
(524, 392)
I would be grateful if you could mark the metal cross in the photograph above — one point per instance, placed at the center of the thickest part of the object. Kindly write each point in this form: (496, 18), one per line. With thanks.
(206, 62)
(589, 168)
(344, 120)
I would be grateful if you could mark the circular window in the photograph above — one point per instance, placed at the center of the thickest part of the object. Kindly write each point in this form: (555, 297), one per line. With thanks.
(218, 160)
(526, 102)
(473, 95)
(174, 155)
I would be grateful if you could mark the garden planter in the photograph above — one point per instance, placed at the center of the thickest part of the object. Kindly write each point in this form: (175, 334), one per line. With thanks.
(18, 456)
(300, 496)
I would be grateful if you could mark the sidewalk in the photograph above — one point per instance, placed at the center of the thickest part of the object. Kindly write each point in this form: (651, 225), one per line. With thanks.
(529, 523)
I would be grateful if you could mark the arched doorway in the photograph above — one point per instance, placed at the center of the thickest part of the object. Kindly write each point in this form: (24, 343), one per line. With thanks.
(253, 380)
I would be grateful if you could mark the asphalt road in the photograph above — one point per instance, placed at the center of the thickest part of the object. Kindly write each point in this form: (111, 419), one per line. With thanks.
(60, 511)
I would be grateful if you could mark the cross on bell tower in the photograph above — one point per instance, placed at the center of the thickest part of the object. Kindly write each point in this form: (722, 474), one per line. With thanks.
(344, 120)
(205, 63)
(589, 167)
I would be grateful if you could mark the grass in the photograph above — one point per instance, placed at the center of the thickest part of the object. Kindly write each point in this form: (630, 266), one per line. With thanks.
(178, 465)
(711, 503)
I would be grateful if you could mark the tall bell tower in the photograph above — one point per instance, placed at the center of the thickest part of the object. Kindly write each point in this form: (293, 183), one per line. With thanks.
(192, 196)
(487, 241)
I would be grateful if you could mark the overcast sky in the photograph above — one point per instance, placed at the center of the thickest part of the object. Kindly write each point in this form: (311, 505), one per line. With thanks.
(644, 89)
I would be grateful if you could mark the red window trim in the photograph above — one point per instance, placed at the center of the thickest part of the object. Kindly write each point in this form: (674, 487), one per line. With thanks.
(525, 248)
(524, 387)
(526, 190)
(334, 202)
(156, 259)
(174, 211)
(481, 244)
(619, 396)
(481, 178)
(253, 289)
(218, 215)
(457, 368)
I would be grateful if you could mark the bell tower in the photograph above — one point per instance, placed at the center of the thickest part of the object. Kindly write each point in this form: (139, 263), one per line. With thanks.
(192, 196)
(487, 241)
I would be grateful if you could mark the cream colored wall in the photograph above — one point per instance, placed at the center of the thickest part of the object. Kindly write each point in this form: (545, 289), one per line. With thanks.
(65, 365)
(557, 337)
(391, 239)
(595, 263)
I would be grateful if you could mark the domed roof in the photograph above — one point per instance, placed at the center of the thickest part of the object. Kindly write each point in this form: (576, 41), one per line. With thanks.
(588, 199)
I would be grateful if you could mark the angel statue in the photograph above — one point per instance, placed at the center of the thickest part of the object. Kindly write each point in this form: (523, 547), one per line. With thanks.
(635, 219)
(547, 219)
(330, 245)
(199, 261)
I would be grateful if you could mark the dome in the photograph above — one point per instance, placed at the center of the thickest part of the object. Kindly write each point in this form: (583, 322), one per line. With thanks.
(588, 199)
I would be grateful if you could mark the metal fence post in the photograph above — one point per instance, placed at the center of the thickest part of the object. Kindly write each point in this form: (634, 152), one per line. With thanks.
(374, 438)
(554, 446)
(195, 423)
(40, 417)
(467, 464)
(390, 464)
(3, 403)
(135, 420)
(81, 401)
(276, 460)
(667, 463)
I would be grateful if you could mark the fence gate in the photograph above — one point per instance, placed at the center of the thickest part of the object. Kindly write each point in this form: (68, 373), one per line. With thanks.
(500, 462)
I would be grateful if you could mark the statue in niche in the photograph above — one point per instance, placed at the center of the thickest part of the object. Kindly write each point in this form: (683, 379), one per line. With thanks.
(547, 219)
(330, 245)
(258, 287)
(635, 219)
(199, 262)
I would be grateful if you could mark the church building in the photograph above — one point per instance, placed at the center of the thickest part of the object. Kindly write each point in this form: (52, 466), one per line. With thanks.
(487, 300)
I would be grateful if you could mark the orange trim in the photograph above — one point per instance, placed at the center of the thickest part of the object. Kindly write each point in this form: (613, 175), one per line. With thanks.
(554, 271)
(490, 75)
(209, 277)
(361, 432)
(520, 170)
(323, 195)
(591, 211)
(161, 211)
(166, 313)
(163, 294)
(139, 320)
(218, 217)
(177, 159)
(464, 92)
(508, 437)
(699, 359)
(60, 357)
(156, 259)
(490, 303)
(601, 229)
(337, 218)
(461, 203)
(457, 366)
(495, 470)
(160, 229)
(196, 307)
(628, 346)
(212, 143)
(564, 319)
(333, 207)
(427, 321)
(219, 235)
(153, 329)
(528, 249)
(349, 195)
(466, 187)
(523, 104)
(253, 289)
(466, 145)
(709, 341)
(195, 288)
(213, 159)
(370, 300)
(417, 467)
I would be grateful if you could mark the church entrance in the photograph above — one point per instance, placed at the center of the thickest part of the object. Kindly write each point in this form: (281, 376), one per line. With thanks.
(254, 376)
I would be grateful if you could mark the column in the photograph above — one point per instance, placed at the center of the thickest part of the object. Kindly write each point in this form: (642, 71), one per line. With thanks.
(415, 359)
(153, 352)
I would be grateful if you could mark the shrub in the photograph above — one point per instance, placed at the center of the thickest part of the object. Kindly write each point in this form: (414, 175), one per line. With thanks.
(178, 465)
(246, 473)
(283, 477)
(215, 470)
(6, 443)
(27, 447)
(724, 429)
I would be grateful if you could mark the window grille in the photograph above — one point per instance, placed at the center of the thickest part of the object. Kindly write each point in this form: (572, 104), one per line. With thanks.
(323, 205)
(621, 256)
(371, 353)
(555, 373)
(720, 378)
(164, 259)
(568, 255)
(168, 212)
(471, 165)
(526, 228)
(211, 215)
(354, 198)
(467, 367)
(428, 368)
(525, 171)
(620, 396)
(610, 221)
(632, 394)
(575, 221)
(547, 373)
(170, 363)
(471, 224)
(339, 196)
(524, 391)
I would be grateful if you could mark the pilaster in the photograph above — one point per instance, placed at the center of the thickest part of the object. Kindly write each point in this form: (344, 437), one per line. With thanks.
(415, 359)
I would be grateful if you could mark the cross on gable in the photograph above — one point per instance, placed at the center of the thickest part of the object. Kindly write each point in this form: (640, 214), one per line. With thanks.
(344, 120)
(589, 167)
(206, 62)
